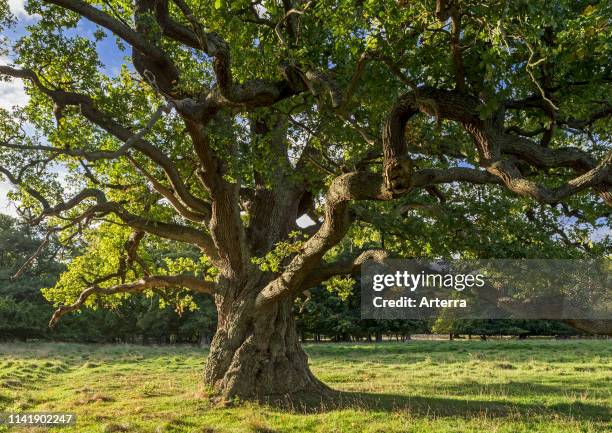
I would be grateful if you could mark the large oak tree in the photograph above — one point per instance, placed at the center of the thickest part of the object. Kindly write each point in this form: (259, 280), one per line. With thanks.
(229, 121)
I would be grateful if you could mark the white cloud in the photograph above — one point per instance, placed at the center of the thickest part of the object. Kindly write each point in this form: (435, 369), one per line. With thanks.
(5, 206)
(18, 8)
(12, 93)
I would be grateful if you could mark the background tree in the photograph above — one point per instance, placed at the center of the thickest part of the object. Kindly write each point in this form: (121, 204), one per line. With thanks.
(22, 308)
(232, 120)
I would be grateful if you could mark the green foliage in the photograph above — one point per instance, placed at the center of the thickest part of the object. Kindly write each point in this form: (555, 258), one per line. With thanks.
(340, 285)
(22, 314)
(328, 312)
(273, 260)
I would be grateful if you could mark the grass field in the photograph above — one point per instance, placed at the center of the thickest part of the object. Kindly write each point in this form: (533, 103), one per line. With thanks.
(433, 387)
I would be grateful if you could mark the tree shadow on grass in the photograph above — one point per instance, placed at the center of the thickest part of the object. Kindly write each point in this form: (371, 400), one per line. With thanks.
(441, 406)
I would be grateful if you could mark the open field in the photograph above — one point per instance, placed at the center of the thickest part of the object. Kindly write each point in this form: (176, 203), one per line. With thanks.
(424, 386)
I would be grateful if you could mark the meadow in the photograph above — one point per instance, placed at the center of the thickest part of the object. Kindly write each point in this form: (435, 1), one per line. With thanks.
(539, 386)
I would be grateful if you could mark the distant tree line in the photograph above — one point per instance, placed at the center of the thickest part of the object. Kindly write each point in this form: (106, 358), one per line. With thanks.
(321, 316)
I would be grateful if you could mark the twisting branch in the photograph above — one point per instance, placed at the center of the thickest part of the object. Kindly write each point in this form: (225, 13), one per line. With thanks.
(79, 198)
(252, 93)
(345, 188)
(512, 178)
(335, 225)
(397, 166)
(198, 285)
(132, 37)
(493, 144)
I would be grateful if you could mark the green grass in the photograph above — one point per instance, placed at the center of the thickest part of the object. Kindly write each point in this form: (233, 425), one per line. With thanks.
(434, 387)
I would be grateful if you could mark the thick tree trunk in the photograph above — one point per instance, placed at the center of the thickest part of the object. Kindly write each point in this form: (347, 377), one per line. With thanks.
(256, 355)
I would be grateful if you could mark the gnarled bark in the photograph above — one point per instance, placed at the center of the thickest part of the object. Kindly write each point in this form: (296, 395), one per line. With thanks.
(256, 354)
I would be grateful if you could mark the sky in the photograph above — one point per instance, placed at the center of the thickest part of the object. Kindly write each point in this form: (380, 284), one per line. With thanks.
(11, 94)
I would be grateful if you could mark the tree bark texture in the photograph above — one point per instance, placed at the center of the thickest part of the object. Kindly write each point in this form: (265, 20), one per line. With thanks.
(258, 355)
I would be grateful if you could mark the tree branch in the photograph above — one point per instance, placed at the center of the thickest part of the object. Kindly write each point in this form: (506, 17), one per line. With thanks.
(351, 186)
(225, 225)
(170, 195)
(102, 206)
(198, 285)
(132, 37)
(492, 143)
(253, 93)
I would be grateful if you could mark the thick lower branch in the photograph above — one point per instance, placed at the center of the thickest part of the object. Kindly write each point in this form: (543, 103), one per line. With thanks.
(194, 284)
(351, 186)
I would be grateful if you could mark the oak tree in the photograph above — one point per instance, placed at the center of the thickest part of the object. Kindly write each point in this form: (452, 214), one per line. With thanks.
(220, 124)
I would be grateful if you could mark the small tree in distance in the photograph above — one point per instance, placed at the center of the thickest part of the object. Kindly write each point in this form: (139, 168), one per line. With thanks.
(229, 121)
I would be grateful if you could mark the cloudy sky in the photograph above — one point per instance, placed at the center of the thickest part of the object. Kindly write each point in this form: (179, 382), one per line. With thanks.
(11, 94)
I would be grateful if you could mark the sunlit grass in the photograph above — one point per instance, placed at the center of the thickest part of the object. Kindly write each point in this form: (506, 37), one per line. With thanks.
(463, 386)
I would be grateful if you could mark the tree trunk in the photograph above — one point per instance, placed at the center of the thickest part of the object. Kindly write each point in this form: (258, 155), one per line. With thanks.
(256, 355)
